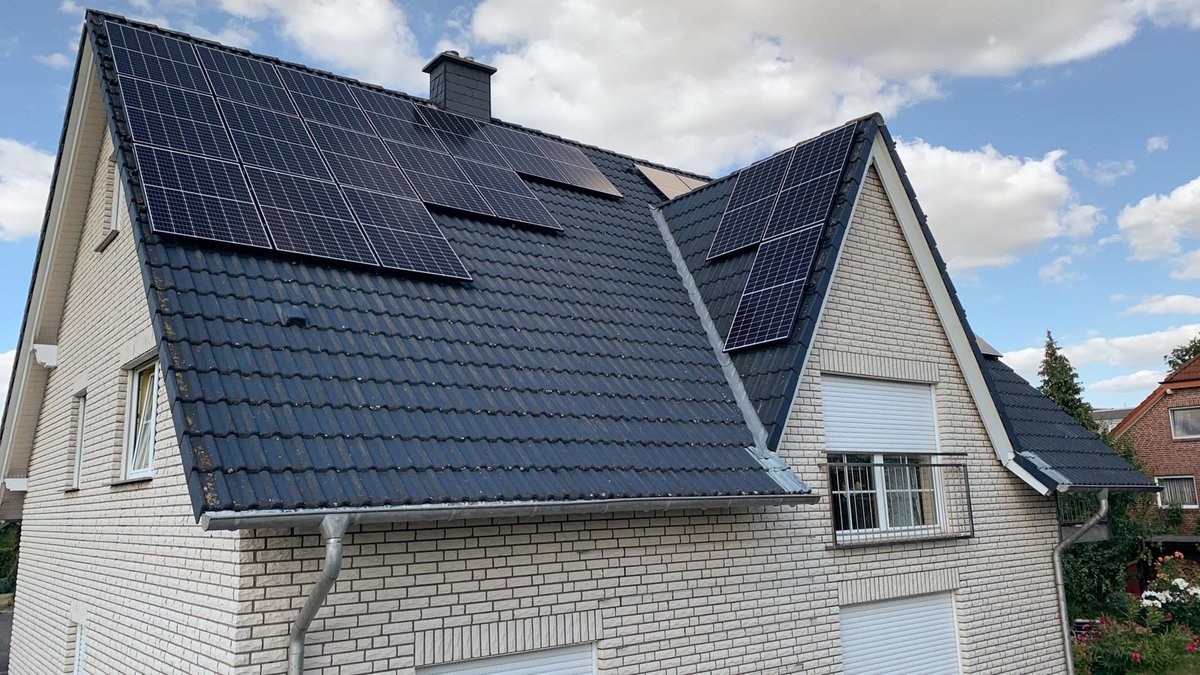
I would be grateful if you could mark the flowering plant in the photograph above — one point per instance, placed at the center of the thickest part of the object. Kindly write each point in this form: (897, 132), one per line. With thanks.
(1142, 639)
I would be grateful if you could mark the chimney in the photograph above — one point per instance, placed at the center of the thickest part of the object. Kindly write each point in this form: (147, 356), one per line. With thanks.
(460, 85)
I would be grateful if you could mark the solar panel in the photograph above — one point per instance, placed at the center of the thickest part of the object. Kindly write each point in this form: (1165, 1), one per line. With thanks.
(346, 142)
(528, 210)
(156, 57)
(396, 129)
(533, 165)
(309, 217)
(495, 178)
(741, 228)
(769, 303)
(215, 205)
(273, 141)
(388, 105)
(819, 156)
(360, 173)
(174, 118)
(444, 121)
(427, 162)
(405, 236)
(804, 205)
(474, 148)
(246, 80)
(450, 193)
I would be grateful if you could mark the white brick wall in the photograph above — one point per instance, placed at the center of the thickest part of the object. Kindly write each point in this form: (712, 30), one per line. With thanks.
(741, 591)
(154, 589)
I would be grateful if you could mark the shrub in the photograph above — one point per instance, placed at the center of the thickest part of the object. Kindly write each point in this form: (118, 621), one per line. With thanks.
(1144, 637)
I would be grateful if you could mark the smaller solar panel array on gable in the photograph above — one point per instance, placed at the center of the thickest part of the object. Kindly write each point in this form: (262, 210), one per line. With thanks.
(277, 157)
(780, 204)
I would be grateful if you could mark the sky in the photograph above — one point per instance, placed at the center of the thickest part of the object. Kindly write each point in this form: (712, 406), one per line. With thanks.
(1052, 145)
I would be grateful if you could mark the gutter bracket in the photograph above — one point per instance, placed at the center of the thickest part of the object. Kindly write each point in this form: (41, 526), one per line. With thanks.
(333, 529)
(46, 356)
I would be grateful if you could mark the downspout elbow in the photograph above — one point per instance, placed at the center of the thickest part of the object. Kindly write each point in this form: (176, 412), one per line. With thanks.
(333, 529)
(1064, 616)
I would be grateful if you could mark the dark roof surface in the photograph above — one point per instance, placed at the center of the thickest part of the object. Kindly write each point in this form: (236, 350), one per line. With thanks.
(573, 366)
(1050, 443)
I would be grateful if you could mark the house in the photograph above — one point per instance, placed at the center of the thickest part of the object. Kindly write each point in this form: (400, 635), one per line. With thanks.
(320, 377)
(1108, 418)
(1164, 430)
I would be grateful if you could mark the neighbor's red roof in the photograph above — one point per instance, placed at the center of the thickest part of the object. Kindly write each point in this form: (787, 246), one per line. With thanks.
(1188, 371)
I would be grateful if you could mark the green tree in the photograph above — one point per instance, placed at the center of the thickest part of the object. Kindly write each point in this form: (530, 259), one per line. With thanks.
(1183, 353)
(1060, 383)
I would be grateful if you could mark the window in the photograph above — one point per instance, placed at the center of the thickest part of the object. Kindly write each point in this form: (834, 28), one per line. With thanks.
(77, 455)
(138, 461)
(1177, 491)
(574, 660)
(1185, 423)
(882, 492)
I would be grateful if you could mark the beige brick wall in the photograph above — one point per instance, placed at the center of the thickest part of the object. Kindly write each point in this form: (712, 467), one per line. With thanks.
(740, 592)
(157, 593)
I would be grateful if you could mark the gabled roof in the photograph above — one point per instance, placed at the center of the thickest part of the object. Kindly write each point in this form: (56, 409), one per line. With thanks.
(1186, 376)
(573, 369)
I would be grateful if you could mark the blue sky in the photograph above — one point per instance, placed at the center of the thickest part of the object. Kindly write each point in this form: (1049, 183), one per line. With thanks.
(1055, 159)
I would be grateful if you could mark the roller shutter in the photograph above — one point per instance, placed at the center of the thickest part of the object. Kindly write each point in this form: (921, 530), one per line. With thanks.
(869, 416)
(901, 637)
(573, 660)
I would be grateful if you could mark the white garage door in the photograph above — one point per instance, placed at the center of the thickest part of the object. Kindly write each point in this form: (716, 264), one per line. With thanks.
(573, 660)
(901, 637)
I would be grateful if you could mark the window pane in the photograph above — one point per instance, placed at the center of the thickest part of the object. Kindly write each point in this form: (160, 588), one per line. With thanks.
(142, 437)
(1185, 422)
(908, 488)
(852, 488)
(77, 459)
(1178, 491)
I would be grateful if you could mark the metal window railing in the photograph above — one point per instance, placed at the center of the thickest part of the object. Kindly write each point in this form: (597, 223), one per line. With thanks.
(903, 498)
(1074, 508)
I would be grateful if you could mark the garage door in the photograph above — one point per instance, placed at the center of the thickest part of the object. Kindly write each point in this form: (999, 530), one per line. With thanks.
(573, 660)
(910, 635)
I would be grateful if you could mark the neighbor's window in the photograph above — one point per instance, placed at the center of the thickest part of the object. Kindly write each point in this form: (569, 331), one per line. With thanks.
(139, 435)
(882, 492)
(1185, 423)
(1177, 491)
(77, 455)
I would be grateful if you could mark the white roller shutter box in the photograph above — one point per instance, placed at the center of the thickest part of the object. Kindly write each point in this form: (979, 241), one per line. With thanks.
(869, 416)
(573, 660)
(901, 637)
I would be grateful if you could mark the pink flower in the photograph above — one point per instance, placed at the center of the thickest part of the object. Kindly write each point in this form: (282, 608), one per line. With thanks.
(1168, 616)
(1191, 648)
(1137, 658)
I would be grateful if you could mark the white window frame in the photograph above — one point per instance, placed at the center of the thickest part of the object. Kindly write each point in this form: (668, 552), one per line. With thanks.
(1195, 495)
(77, 456)
(880, 493)
(133, 428)
(1172, 412)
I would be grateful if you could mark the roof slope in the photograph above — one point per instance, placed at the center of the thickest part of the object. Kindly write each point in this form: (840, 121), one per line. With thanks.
(572, 367)
(1052, 444)
(1187, 372)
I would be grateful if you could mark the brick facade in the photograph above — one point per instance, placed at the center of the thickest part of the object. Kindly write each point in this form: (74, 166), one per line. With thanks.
(739, 591)
(1162, 455)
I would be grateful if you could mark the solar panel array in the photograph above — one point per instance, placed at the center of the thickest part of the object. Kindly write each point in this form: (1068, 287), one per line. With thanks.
(245, 151)
(780, 204)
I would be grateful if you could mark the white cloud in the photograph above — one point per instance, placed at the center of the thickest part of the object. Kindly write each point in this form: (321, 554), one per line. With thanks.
(1167, 304)
(987, 209)
(1158, 225)
(57, 60)
(1156, 143)
(712, 84)
(1143, 351)
(1106, 172)
(70, 7)
(1143, 381)
(24, 184)
(1057, 271)
(368, 39)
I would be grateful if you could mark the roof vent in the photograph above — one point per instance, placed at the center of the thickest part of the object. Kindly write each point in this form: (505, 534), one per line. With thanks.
(460, 85)
(292, 316)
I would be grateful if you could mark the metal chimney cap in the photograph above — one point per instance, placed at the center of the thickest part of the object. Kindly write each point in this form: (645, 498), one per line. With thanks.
(451, 55)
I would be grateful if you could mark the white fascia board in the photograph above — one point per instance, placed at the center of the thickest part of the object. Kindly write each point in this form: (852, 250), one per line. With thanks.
(960, 344)
(23, 394)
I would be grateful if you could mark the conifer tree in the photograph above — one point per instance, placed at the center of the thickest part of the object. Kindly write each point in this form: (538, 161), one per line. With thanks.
(1060, 383)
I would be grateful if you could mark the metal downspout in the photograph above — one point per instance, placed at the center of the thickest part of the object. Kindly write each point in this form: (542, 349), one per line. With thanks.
(1058, 575)
(333, 528)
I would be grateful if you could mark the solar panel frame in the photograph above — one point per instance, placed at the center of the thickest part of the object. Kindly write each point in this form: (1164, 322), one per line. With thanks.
(741, 228)
(352, 172)
(174, 118)
(449, 193)
(396, 129)
(155, 57)
(332, 139)
(388, 105)
(405, 236)
(518, 209)
(767, 316)
(448, 121)
(804, 205)
(761, 180)
(819, 156)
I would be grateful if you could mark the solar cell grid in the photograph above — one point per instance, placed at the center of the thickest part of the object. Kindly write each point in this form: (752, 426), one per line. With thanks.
(319, 236)
(533, 165)
(248, 91)
(349, 143)
(300, 82)
(474, 148)
(269, 153)
(586, 178)
(783, 260)
(759, 181)
(512, 139)
(741, 228)
(169, 169)
(354, 172)
(396, 129)
(216, 60)
(495, 178)
(402, 250)
(445, 121)
(264, 122)
(428, 162)
(820, 156)
(449, 193)
(386, 104)
(391, 212)
(332, 112)
(151, 67)
(804, 205)
(519, 209)
(562, 152)
(765, 316)
(296, 193)
(174, 118)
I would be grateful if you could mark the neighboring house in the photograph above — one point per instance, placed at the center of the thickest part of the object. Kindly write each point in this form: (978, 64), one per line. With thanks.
(1164, 431)
(1109, 418)
(745, 430)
